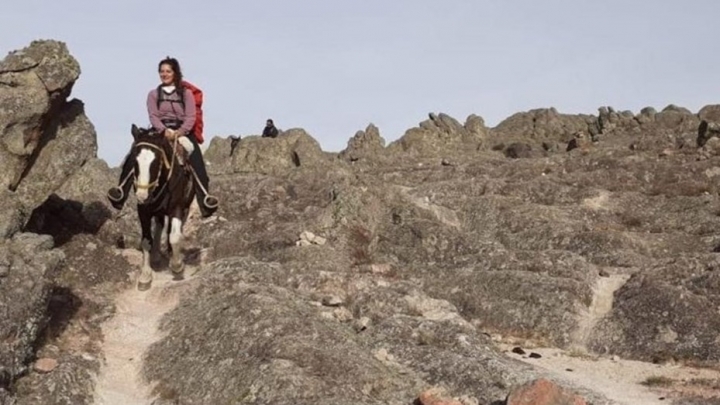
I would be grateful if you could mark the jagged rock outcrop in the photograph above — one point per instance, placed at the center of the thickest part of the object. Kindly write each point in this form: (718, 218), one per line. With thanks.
(441, 135)
(542, 129)
(44, 138)
(673, 127)
(47, 148)
(365, 145)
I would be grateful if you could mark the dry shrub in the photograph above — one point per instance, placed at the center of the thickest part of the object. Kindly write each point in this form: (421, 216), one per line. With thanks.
(359, 239)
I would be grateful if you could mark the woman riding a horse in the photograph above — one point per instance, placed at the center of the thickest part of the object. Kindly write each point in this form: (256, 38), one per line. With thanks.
(171, 117)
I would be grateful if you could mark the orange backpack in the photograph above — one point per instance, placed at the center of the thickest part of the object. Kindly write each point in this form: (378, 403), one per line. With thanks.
(198, 98)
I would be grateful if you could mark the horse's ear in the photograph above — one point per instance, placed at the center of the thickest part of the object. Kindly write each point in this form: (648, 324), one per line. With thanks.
(135, 131)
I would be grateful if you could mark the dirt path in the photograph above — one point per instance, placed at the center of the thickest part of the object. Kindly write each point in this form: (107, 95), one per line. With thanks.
(622, 381)
(619, 380)
(126, 337)
(133, 329)
(601, 305)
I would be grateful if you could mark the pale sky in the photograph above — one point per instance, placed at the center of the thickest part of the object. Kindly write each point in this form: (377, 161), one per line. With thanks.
(333, 66)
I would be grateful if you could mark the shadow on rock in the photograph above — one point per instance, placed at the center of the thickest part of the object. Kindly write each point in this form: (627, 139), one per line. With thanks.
(62, 219)
(62, 307)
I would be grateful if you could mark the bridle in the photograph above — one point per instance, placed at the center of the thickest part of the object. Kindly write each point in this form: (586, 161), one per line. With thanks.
(167, 164)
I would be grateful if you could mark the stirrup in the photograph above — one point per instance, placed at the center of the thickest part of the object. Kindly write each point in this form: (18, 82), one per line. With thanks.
(118, 199)
(208, 205)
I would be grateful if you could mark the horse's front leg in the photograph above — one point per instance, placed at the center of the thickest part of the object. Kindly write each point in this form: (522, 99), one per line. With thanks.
(177, 264)
(145, 279)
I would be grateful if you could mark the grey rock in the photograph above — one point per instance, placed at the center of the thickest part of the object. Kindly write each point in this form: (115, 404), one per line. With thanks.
(51, 61)
(367, 144)
(24, 294)
(294, 150)
(332, 301)
(441, 135)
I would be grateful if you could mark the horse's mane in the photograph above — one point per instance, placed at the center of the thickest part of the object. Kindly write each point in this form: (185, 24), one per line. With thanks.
(150, 135)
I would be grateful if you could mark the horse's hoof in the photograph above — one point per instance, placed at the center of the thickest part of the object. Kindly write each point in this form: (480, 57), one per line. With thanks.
(178, 275)
(144, 286)
(177, 270)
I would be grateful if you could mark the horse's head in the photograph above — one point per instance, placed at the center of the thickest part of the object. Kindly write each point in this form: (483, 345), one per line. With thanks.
(151, 161)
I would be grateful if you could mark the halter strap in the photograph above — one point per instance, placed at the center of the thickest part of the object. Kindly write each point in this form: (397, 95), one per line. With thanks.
(162, 152)
(168, 165)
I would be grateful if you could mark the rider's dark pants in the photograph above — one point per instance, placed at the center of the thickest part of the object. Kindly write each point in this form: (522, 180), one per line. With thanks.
(198, 165)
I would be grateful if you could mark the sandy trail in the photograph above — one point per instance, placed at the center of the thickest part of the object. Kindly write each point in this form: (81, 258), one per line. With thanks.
(134, 328)
(126, 337)
(617, 379)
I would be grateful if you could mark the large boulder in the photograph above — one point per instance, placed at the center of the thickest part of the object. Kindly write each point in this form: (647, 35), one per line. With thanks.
(294, 149)
(27, 264)
(543, 128)
(710, 113)
(441, 136)
(543, 392)
(218, 155)
(70, 144)
(44, 139)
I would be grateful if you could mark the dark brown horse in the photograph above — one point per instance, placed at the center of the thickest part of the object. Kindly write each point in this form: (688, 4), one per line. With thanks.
(164, 191)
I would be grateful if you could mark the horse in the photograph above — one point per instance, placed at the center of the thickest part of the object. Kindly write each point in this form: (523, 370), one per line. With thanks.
(164, 192)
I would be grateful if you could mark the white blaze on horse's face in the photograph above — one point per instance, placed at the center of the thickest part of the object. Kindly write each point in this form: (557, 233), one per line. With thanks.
(144, 160)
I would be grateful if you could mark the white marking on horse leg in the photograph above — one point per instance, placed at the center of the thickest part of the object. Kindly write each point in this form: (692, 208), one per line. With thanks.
(145, 270)
(175, 232)
(176, 262)
(144, 159)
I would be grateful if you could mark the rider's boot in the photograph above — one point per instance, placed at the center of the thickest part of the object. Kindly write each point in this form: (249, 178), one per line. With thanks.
(208, 203)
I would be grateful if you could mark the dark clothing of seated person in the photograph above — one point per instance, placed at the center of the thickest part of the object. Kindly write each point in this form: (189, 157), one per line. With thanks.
(270, 131)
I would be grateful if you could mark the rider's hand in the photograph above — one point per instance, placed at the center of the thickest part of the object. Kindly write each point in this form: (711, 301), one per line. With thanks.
(169, 134)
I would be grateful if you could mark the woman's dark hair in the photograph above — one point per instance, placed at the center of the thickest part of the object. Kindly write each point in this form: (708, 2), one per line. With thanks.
(175, 66)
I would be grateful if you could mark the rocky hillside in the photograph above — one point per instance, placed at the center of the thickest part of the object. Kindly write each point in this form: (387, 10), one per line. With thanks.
(383, 274)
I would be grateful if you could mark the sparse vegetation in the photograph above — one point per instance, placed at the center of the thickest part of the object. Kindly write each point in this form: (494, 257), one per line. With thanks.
(581, 354)
(359, 239)
(630, 220)
(658, 381)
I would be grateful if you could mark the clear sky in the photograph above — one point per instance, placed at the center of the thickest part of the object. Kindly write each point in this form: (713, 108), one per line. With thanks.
(333, 66)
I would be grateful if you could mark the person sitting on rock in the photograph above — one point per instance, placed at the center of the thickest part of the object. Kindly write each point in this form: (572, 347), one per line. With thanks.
(270, 131)
(170, 119)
